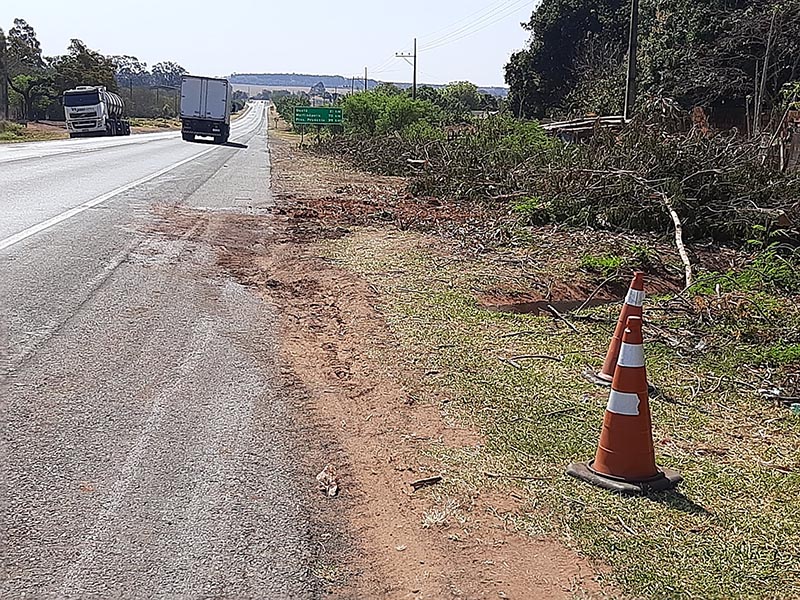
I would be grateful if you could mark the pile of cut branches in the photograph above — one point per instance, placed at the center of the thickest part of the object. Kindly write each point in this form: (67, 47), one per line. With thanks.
(647, 177)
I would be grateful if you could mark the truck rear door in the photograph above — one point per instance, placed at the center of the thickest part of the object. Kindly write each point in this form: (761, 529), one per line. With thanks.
(192, 97)
(216, 105)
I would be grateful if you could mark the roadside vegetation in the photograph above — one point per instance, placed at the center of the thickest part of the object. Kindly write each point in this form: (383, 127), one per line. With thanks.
(31, 132)
(731, 58)
(464, 284)
(155, 124)
(730, 530)
(696, 191)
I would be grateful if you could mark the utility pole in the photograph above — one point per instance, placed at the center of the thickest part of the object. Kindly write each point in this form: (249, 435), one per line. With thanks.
(633, 44)
(353, 85)
(414, 84)
(365, 79)
(406, 57)
(3, 78)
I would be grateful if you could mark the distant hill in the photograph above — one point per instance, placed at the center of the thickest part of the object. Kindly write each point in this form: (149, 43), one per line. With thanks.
(301, 80)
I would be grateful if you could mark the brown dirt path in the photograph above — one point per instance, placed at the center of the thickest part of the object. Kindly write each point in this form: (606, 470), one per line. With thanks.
(399, 543)
(340, 348)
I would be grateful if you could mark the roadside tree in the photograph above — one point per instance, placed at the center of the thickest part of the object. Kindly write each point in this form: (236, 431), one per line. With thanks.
(83, 66)
(167, 74)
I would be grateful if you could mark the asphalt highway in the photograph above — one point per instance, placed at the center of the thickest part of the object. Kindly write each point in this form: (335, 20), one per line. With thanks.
(147, 449)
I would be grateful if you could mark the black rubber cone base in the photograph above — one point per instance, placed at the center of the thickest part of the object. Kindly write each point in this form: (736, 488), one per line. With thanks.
(595, 378)
(666, 479)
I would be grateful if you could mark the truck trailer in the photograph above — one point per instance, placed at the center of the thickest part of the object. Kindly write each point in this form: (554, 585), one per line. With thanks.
(93, 110)
(205, 108)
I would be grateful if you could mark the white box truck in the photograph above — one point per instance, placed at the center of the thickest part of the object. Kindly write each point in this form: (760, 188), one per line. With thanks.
(205, 108)
(93, 110)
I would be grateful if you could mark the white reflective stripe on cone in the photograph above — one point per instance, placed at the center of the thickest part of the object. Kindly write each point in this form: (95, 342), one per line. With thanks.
(631, 355)
(623, 403)
(635, 298)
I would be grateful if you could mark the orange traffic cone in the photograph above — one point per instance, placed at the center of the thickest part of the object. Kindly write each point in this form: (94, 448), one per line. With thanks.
(632, 308)
(625, 460)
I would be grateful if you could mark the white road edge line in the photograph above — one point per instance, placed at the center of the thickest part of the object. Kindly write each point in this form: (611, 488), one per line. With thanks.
(26, 233)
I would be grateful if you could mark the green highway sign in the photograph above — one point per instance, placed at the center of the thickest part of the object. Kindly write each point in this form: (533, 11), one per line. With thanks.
(322, 115)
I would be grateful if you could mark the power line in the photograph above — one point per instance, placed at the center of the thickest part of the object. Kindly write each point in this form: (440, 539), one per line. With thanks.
(486, 17)
(474, 28)
(509, 7)
(489, 8)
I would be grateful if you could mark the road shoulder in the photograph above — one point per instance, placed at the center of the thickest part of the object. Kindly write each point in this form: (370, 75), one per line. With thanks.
(441, 540)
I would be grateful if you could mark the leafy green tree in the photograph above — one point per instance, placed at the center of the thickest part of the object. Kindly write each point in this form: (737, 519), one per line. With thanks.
(83, 66)
(401, 112)
(373, 113)
(460, 97)
(131, 72)
(285, 106)
(3, 76)
(489, 102)
(387, 89)
(167, 73)
(525, 96)
(428, 93)
(34, 92)
(541, 76)
(24, 70)
(362, 111)
(599, 77)
(710, 53)
(23, 50)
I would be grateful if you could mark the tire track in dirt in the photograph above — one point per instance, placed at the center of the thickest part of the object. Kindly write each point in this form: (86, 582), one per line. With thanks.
(335, 345)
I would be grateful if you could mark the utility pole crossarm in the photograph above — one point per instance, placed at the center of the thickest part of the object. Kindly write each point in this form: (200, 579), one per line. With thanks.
(413, 55)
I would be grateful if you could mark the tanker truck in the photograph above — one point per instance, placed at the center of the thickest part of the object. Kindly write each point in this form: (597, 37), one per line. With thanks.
(92, 110)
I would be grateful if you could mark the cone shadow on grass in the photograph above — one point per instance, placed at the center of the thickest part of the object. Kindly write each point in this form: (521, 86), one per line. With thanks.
(678, 501)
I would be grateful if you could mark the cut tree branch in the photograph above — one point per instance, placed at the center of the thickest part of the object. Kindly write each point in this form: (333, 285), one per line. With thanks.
(679, 239)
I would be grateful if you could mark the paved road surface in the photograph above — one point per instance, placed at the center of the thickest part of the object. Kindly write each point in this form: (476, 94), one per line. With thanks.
(146, 447)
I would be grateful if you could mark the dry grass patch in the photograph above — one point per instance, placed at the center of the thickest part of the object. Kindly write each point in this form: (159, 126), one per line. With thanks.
(732, 528)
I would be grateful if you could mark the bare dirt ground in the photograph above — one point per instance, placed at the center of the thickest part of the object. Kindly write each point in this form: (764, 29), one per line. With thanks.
(394, 541)
(338, 346)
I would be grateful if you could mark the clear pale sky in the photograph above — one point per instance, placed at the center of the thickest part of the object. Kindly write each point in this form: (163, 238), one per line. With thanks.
(312, 36)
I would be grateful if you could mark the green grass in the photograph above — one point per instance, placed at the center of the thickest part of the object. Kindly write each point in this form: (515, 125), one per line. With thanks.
(732, 530)
(11, 132)
(604, 264)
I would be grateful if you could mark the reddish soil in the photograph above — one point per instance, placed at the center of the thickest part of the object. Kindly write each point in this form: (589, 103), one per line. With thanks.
(338, 347)
(337, 343)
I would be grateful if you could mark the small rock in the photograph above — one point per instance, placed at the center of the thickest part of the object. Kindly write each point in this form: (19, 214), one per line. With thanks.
(327, 481)
(400, 548)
